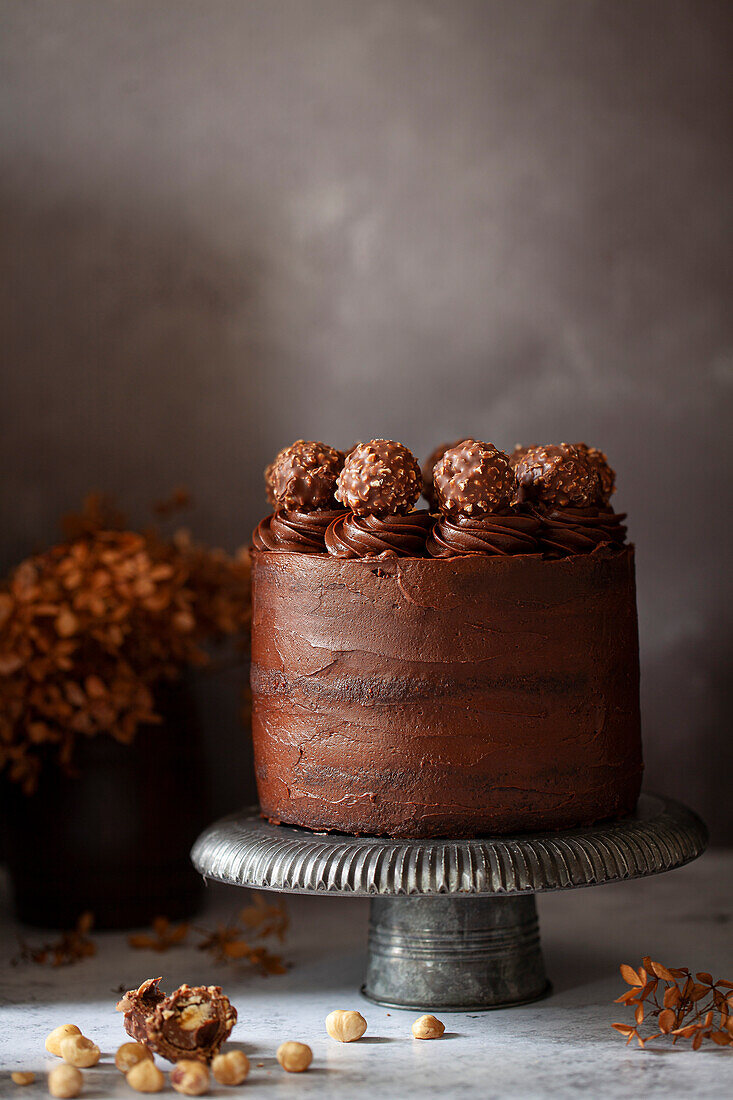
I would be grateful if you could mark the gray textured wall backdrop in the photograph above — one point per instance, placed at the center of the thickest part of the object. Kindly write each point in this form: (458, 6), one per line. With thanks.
(230, 224)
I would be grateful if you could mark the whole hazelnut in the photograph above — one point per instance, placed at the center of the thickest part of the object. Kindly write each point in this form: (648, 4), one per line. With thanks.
(189, 1077)
(427, 1027)
(345, 1027)
(65, 1081)
(145, 1076)
(129, 1054)
(294, 1057)
(53, 1040)
(21, 1077)
(230, 1068)
(80, 1052)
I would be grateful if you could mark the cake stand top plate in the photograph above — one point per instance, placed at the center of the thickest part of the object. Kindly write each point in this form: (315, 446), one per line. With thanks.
(245, 850)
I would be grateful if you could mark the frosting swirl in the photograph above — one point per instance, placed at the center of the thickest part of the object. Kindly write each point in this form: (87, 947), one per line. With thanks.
(498, 534)
(581, 530)
(351, 536)
(294, 532)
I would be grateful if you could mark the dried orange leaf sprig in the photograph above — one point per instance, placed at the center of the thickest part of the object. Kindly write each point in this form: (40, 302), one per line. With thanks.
(88, 628)
(162, 937)
(233, 942)
(237, 941)
(70, 948)
(673, 1002)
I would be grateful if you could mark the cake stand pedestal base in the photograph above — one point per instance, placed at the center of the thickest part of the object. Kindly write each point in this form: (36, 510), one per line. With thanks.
(453, 923)
(454, 953)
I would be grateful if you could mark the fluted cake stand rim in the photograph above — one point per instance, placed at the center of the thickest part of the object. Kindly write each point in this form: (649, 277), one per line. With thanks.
(243, 849)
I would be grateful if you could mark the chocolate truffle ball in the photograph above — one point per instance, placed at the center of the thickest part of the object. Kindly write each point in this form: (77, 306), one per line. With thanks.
(558, 475)
(599, 461)
(473, 479)
(269, 491)
(379, 478)
(519, 452)
(303, 476)
(428, 486)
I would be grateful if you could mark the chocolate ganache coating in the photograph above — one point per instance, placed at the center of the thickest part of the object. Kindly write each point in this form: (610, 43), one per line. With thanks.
(508, 532)
(459, 697)
(295, 532)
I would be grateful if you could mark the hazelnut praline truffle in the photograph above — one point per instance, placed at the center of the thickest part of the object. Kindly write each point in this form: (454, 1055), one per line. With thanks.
(599, 461)
(559, 475)
(303, 476)
(473, 479)
(269, 491)
(379, 478)
(428, 468)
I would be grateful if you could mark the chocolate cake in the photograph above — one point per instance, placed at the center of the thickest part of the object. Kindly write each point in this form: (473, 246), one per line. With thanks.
(445, 674)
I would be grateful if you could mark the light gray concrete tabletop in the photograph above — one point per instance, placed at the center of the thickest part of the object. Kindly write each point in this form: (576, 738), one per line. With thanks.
(562, 1046)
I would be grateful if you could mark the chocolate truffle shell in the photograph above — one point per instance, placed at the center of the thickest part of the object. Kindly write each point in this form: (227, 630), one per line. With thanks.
(606, 473)
(559, 475)
(303, 476)
(428, 467)
(380, 478)
(473, 479)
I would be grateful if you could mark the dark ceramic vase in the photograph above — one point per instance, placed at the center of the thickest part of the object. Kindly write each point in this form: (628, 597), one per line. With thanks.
(114, 838)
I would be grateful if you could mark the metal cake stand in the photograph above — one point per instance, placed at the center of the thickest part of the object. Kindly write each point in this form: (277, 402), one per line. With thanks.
(453, 923)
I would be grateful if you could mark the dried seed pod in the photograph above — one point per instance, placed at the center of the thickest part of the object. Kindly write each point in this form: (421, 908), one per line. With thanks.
(129, 1054)
(230, 1068)
(345, 1026)
(473, 479)
(294, 1057)
(380, 478)
(65, 1081)
(79, 1051)
(190, 1078)
(145, 1076)
(428, 1027)
(53, 1039)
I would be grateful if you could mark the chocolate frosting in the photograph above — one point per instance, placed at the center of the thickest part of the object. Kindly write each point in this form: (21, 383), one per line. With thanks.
(459, 697)
(352, 536)
(294, 532)
(507, 532)
(581, 530)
